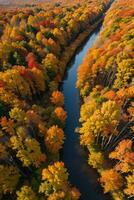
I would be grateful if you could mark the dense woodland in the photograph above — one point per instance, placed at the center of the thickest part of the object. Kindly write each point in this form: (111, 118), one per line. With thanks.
(35, 46)
(36, 43)
(106, 83)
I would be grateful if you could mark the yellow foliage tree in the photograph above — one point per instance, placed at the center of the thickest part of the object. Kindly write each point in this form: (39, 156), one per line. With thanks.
(54, 139)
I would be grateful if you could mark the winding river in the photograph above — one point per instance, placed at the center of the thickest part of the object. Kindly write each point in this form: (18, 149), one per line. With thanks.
(73, 155)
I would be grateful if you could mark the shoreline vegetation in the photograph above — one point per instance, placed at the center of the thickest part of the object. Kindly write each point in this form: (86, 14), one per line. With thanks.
(32, 117)
(105, 80)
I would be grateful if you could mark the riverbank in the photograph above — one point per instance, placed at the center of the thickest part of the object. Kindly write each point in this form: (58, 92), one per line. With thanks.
(71, 50)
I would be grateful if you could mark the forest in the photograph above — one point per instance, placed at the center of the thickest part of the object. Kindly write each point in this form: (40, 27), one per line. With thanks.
(105, 80)
(37, 43)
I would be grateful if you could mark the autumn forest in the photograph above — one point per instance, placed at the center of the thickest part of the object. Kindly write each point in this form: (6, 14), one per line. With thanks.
(67, 100)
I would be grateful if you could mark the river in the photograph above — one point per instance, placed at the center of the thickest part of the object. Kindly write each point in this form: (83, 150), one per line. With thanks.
(73, 155)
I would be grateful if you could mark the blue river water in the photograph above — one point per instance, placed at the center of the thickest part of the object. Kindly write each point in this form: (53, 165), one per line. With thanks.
(73, 155)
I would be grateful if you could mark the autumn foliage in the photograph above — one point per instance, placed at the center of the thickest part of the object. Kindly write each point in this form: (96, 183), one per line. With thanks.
(57, 98)
(111, 180)
(105, 80)
(54, 139)
(36, 43)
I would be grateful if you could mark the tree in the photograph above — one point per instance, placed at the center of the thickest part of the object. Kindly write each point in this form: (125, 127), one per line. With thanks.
(50, 63)
(101, 123)
(9, 177)
(27, 150)
(31, 59)
(60, 113)
(16, 83)
(8, 97)
(96, 160)
(123, 153)
(129, 191)
(55, 183)
(124, 73)
(111, 180)
(7, 125)
(60, 35)
(87, 137)
(56, 175)
(39, 79)
(57, 98)
(39, 36)
(17, 115)
(87, 109)
(15, 20)
(54, 139)
(26, 193)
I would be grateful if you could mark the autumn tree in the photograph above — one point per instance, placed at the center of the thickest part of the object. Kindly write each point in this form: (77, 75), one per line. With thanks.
(32, 61)
(57, 98)
(9, 177)
(111, 180)
(125, 156)
(26, 193)
(96, 160)
(55, 183)
(54, 139)
(129, 191)
(28, 151)
(60, 113)
(50, 63)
